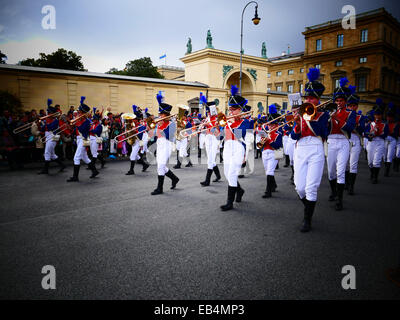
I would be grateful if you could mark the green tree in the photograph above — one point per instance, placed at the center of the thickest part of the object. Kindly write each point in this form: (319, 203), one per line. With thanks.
(60, 59)
(142, 67)
(9, 102)
(3, 58)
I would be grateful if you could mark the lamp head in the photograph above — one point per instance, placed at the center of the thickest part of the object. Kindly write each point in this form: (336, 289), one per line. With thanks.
(256, 19)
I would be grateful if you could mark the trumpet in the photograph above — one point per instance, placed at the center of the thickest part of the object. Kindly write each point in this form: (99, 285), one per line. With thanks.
(308, 110)
(72, 122)
(152, 123)
(131, 136)
(29, 124)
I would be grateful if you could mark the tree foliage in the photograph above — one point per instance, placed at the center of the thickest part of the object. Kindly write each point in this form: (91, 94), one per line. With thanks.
(9, 102)
(3, 58)
(60, 59)
(142, 67)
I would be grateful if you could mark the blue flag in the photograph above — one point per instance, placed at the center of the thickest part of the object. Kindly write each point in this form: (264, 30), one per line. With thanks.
(164, 56)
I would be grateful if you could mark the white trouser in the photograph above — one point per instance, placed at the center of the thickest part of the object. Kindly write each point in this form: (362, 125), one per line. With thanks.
(233, 158)
(268, 157)
(290, 149)
(202, 140)
(355, 150)
(94, 146)
(49, 149)
(398, 148)
(211, 144)
(390, 148)
(365, 140)
(258, 139)
(309, 160)
(285, 144)
(338, 156)
(375, 150)
(135, 151)
(164, 150)
(181, 146)
(145, 140)
(80, 153)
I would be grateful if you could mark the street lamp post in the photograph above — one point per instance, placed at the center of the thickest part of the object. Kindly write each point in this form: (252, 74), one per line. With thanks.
(255, 20)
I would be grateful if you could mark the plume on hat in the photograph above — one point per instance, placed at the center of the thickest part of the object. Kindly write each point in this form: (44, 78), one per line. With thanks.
(313, 74)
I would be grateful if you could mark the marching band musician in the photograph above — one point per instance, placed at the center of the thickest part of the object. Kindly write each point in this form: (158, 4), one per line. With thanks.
(341, 123)
(309, 157)
(391, 139)
(143, 138)
(182, 143)
(82, 124)
(165, 133)
(271, 142)
(286, 133)
(95, 131)
(356, 140)
(49, 127)
(290, 143)
(258, 132)
(234, 148)
(211, 141)
(376, 131)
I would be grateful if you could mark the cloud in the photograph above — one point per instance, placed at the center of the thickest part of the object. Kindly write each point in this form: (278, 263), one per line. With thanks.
(29, 48)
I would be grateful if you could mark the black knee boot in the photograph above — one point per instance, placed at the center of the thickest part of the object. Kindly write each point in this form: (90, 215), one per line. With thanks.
(387, 169)
(309, 207)
(292, 177)
(206, 182)
(159, 189)
(274, 186)
(92, 166)
(371, 171)
(178, 163)
(45, 169)
(75, 176)
(217, 174)
(189, 164)
(333, 195)
(352, 180)
(173, 177)
(231, 198)
(375, 173)
(102, 161)
(339, 203)
(396, 164)
(287, 161)
(239, 193)
(144, 163)
(131, 170)
(268, 189)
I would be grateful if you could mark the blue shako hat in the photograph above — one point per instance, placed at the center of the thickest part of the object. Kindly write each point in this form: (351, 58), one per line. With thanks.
(342, 91)
(246, 108)
(353, 98)
(314, 88)
(83, 107)
(272, 113)
(138, 114)
(391, 110)
(163, 107)
(235, 100)
(50, 108)
(95, 115)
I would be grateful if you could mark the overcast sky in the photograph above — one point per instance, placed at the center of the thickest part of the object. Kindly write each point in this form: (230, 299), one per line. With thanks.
(110, 33)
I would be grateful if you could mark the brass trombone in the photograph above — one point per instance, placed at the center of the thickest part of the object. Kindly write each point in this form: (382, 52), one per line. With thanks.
(152, 123)
(29, 124)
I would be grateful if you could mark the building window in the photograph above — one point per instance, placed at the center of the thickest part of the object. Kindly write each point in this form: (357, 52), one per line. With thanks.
(301, 70)
(319, 45)
(318, 66)
(290, 71)
(269, 87)
(268, 75)
(363, 59)
(278, 73)
(337, 83)
(339, 40)
(364, 35)
(362, 83)
(339, 63)
(279, 88)
(284, 105)
(301, 87)
(290, 88)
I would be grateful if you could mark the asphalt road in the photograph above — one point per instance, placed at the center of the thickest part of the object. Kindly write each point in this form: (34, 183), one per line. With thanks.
(108, 238)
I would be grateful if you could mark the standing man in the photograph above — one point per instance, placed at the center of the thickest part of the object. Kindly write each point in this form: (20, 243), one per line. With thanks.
(391, 139)
(50, 127)
(165, 133)
(95, 131)
(376, 132)
(249, 140)
(309, 156)
(211, 141)
(341, 123)
(356, 140)
(271, 142)
(234, 147)
(82, 128)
